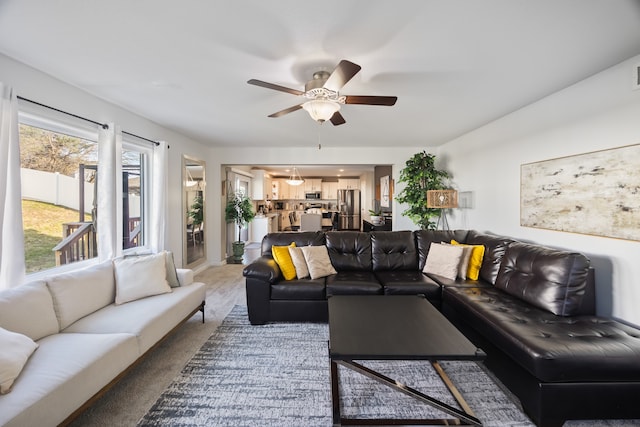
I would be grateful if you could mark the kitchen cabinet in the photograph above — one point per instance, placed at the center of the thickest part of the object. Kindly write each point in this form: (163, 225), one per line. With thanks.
(312, 185)
(349, 184)
(261, 185)
(283, 189)
(296, 192)
(329, 190)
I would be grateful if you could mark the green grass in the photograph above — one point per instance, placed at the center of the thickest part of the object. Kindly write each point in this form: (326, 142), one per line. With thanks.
(42, 224)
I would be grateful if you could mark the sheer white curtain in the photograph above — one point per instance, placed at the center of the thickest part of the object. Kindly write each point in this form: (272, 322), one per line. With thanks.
(12, 266)
(109, 192)
(159, 188)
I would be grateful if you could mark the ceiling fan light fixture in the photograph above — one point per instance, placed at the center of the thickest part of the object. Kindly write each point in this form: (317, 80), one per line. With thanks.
(295, 178)
(321, 110)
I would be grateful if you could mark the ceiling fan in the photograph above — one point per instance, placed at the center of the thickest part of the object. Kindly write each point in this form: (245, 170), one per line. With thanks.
(323, 97)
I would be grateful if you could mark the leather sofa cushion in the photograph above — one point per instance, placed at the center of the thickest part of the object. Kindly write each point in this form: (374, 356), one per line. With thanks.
(393, 250)
(299, 289)
(349, 250)
(552, 348)
(424, 238)
(494, 249)
(305, 238)
(408, 282)
(353, 283)
(550, 279)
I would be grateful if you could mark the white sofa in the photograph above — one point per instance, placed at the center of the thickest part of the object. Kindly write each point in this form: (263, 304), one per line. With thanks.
(86, 335)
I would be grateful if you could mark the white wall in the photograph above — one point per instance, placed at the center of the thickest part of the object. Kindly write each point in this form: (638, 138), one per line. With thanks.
(598, 113)
(35, 85)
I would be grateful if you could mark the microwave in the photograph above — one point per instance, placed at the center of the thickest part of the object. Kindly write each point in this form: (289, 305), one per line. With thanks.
(314, 195)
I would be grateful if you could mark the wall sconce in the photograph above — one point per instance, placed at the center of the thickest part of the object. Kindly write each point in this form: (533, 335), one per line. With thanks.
(442, 199)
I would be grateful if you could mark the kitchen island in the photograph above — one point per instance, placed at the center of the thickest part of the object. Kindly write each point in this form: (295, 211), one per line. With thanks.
(263, 225)
(369, 226)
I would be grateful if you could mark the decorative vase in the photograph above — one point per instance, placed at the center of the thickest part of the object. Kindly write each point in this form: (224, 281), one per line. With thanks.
(238, 251)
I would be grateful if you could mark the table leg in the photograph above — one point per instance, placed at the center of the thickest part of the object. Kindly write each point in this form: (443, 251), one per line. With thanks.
(335, 394)
(464, 417)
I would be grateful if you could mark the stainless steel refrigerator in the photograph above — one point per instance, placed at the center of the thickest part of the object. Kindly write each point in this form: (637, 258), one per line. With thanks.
(349, 208)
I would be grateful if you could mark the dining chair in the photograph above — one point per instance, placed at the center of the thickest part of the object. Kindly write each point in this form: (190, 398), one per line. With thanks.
(310, 222)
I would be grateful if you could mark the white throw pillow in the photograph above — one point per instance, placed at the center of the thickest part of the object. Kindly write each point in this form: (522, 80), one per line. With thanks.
(302, 271)
(81, 292)
(464, 262)
(15, 350)
(28, 309)
(139, 277)
(443, 260)
(318, 261)
(170, 265)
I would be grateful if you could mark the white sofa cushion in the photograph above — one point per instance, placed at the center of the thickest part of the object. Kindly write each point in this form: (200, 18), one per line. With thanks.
(81, 292)
(65, 371)
(140, 276)
(15, 351)
(185, 276)
(28, 310)
(149, 319)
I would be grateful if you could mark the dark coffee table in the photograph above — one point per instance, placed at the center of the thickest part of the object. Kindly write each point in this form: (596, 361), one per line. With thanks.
(387, 327)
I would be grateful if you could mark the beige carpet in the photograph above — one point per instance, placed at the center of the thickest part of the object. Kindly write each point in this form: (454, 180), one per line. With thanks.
(131, 398)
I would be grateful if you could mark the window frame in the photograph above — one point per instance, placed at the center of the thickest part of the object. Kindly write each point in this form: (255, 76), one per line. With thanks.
(59, 122)
(146, 173)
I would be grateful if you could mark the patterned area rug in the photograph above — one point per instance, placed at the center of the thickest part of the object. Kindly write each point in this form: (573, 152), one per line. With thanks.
(278, 375)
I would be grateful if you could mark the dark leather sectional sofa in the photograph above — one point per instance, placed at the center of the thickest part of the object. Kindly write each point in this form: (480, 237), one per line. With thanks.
(532, 310)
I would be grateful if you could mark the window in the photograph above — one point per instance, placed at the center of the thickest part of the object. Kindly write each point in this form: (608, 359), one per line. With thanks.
(58, 173)
(135, 166)
(60, 190)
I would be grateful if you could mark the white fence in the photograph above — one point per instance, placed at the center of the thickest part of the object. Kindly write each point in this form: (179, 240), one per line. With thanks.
(63, 190)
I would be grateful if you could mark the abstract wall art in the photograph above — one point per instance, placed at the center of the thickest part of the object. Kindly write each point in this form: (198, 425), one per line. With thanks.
(595, 193)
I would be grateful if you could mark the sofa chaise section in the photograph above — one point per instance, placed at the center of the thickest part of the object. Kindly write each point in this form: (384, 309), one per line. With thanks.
(538, 326)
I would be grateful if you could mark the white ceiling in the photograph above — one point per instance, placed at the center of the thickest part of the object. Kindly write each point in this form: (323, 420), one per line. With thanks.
(453, 64)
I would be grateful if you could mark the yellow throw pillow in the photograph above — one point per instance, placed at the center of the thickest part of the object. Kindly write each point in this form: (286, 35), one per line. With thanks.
(475, 261)
(284, 261)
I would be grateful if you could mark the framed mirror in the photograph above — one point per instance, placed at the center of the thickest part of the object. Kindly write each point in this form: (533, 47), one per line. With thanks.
(194, 244)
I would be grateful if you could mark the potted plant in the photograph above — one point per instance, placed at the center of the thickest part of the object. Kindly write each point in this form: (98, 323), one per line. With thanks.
(420, 175)
(376, 216)
(239, 210)
(196, 212)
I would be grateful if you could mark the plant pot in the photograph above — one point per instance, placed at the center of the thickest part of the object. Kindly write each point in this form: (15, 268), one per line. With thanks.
(375, 219)
(238, 251)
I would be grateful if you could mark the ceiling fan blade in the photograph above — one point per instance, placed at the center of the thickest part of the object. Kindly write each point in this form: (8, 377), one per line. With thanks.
(371, 100)
(341, 75)
(337, 119)
(275, 87)
(286, 111)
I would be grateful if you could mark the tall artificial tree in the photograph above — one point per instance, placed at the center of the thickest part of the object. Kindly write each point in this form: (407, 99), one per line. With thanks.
(420, 175)
(239, 210)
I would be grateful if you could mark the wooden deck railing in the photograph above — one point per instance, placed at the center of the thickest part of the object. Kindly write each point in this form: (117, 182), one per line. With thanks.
(79, 243)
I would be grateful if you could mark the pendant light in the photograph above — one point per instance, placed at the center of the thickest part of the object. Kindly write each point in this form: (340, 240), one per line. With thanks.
(295, 178)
